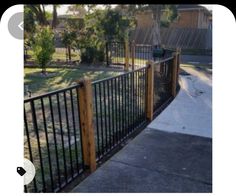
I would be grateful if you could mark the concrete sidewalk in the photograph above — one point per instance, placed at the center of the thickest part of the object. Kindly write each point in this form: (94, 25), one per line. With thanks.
(167, 160)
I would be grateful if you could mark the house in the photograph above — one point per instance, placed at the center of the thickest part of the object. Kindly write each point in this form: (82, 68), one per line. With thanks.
(192, 29)
(191, 16)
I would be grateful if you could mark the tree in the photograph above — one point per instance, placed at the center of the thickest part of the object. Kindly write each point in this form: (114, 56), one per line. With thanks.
(82, 9)
(100, 26)
(70, 35)
(39, 12)
(132, 9)
(115, 26)
(54, 16)
(43, 46)
(29, 29)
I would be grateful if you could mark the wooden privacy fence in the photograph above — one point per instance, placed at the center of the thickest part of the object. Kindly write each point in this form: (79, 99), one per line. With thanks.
(69, 131)
(185, 38)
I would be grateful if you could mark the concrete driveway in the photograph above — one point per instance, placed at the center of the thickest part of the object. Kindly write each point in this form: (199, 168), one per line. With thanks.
(196, 59)
(161, 158)
(191, 111)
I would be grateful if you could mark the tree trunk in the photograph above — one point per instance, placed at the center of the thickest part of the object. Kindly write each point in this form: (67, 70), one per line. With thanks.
(43, 69)
(156, 36)
(54, 20)
(69, 53)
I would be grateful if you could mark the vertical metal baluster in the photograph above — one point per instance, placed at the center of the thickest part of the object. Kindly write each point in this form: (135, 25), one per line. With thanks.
(137, 97)
(116, 114)
(128, 103)
(117, 52)
(133, 101)
(34, 118)
(140, 89)
(62, 136)
(48, 148)
(112, 109)
(125, 100)
(119, 109)
(140, 95)
(68, 134)
(105, 113)
(122, 106)
(74, 128)
(144, 92)
(109, 113)
(29, 145)
(55, 141)
(97, 125)
(81, 146)
(101, 117)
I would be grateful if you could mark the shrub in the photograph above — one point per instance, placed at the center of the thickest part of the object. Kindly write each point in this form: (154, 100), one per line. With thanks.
(43, 46)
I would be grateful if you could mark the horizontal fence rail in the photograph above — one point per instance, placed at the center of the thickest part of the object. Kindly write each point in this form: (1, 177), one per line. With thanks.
(70, 131)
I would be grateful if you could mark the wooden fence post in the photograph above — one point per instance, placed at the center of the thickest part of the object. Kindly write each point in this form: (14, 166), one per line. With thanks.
(126, 55)
(178, 63)
(174, 74)
(85, 103)
(150, 90)
(132, 53)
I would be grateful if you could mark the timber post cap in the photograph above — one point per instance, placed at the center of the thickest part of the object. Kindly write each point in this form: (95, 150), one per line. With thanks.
(83, 81)
(149, 63)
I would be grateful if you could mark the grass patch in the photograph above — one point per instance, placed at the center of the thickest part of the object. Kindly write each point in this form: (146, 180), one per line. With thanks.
(60, 54)
(61, 78)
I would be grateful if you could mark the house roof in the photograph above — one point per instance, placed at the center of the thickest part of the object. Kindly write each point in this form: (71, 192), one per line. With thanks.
(183, 7)
(189, 6)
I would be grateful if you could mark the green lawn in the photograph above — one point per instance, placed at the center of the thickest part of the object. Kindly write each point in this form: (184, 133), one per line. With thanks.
(59, 54)
(61, 78)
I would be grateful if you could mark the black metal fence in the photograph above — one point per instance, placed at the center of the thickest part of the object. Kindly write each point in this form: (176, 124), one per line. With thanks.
(52, 129)
(53, 139)
(119, 108)
(115, 53)
(138, 54)
(162, 82)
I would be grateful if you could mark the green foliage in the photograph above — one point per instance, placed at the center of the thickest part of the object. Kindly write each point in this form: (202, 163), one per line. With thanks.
(70, 35)
(29, 21)
(102, 26)
(171, 13)
(165, 23)
(40, 14)
(115, 25)
(43, 46)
